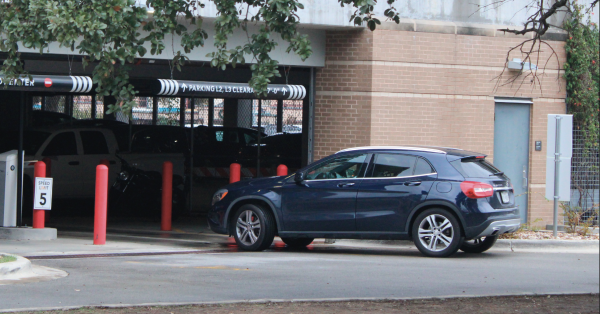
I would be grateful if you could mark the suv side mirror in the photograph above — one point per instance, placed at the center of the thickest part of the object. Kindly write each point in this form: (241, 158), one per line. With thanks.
(299, 177)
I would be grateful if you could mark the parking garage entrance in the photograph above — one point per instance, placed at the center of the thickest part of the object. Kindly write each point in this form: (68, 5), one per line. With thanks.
(202, 126)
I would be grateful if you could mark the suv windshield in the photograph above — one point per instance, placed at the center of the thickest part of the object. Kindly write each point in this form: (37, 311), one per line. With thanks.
(474, 168)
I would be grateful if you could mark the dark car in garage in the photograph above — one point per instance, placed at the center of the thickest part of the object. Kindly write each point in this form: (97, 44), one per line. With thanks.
(443, 199)
(221, 146)
(284, 148)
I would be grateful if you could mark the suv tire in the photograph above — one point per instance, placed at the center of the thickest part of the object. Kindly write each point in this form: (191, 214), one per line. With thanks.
(437, 233)
(478, 245)
(253, 228)
(297, 242)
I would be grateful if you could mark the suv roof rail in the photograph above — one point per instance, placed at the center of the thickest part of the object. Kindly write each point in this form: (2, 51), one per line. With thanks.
(413, 148)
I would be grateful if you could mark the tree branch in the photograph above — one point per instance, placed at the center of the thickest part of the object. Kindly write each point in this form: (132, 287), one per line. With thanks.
(540, 25)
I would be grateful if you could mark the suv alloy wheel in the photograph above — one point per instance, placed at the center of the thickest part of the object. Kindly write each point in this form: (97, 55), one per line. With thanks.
(437, 233)
(253, 228)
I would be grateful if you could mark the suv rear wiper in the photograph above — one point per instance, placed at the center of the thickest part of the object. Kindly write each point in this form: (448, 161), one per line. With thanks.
(497, 173)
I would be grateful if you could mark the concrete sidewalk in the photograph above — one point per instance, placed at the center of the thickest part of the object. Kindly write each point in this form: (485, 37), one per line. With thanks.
(189, 234)
(192, 236)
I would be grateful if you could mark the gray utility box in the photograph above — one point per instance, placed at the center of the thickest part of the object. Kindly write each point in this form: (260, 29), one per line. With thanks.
(8, 189)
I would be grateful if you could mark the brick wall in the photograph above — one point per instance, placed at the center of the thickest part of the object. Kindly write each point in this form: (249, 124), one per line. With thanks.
(539, 207)
(392, 87)
(344, 118)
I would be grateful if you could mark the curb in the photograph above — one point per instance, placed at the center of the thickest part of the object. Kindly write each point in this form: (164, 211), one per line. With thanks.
(549, 244)
(14, 270)
(14, 233)
(500, 244)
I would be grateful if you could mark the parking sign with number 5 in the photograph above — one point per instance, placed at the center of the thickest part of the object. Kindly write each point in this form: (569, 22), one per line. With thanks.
(43, 194)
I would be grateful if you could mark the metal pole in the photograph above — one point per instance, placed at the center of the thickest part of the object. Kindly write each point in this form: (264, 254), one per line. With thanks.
(130, 131)
(259, 136)
(556, 175)
(154, 110)
(20, 163)
(211, 112)
(311, 117)
(93, 109)
(279, 115)
(182, 102)
(70, 108)
(193, 108)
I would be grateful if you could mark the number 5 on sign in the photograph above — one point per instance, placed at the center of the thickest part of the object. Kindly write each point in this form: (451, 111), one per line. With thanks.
(43, 194)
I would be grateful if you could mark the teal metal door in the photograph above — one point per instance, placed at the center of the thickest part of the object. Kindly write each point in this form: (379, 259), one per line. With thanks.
(511, 148)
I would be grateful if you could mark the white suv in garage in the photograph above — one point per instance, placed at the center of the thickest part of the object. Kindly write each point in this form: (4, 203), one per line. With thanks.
(75, 152)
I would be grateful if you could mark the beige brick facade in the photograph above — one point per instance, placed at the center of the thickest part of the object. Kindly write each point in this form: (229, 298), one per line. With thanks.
(392, 87)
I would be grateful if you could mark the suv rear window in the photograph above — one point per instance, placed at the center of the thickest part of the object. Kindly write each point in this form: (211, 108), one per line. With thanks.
(474, 168)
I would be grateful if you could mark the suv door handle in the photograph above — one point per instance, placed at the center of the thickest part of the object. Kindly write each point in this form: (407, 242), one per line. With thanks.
(73, 163)
(412, 183)
(344, 185)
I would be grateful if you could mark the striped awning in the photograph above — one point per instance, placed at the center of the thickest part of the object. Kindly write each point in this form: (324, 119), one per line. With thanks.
(159, 87)
(48, 83)
(225, 90)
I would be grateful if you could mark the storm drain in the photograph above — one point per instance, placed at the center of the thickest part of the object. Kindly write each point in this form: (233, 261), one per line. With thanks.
(122, 254)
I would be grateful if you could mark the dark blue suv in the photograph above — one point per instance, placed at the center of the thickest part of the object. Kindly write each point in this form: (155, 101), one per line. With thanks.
(444, 199)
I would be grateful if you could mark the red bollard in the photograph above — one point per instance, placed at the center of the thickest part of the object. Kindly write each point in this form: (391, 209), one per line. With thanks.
(167, 196)
(234, 172)
(282, 170)
(39, 171)
(101, 204)
(48, 163)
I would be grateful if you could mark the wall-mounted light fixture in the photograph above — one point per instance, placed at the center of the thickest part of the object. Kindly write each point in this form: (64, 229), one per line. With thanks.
(519, 65)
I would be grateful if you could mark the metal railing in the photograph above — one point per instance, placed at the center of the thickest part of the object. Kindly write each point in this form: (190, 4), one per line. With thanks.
(585, 182)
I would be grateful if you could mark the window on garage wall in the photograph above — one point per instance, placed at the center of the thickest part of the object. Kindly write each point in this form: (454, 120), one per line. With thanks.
(292, 116)
(268, 114)
(142, 112)
(82, 107)
(99, 107)
(218, 111)
(200, 112)
(168, 111)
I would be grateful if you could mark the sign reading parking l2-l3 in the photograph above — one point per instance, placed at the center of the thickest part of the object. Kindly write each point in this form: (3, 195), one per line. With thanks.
(48, 83)
(225, 90)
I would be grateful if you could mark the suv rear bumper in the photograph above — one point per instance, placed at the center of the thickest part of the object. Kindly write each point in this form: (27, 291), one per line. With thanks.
(499, 227)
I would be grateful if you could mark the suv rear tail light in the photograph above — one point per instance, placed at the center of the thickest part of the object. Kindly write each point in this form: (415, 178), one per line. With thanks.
(474, 189)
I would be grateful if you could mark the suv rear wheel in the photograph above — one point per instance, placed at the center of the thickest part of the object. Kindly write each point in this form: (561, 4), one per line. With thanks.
(478, 245)
(254, 228)
(436, 233)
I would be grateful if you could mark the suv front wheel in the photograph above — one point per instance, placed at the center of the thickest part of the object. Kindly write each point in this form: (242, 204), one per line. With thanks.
(254, 228)
(436, 233)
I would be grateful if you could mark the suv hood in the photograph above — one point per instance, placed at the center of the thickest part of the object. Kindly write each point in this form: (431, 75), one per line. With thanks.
(263, 181)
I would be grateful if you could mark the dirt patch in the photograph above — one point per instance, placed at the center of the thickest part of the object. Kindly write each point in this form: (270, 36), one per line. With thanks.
(587, 303)
(548, 235)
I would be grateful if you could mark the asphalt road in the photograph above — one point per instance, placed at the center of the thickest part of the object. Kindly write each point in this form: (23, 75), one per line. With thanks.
(320, 272)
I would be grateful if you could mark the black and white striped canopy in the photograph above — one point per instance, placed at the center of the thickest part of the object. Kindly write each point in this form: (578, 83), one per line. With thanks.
(160, 87)
(225, 90)
(48, 83)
